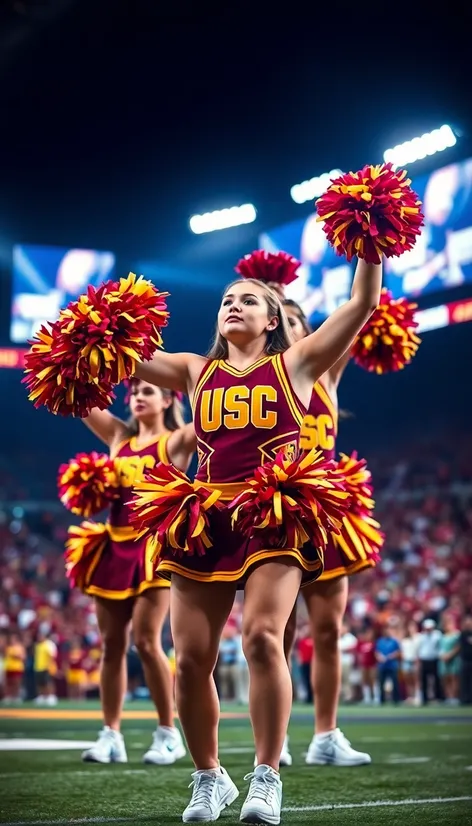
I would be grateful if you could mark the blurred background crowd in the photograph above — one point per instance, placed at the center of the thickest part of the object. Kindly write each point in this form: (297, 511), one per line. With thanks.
(407, 634)
(86, 197)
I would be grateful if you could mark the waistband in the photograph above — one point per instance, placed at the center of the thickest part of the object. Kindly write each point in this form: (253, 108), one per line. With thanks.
(122, 533)
(228, 489)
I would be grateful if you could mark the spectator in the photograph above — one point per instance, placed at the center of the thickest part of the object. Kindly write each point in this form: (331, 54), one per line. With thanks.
(305, 657)
(387, 652)
(45, 668)
(428, 654)
(227, 662)
(449, 660)
(409, 652)
(348, 647)
(368, 665)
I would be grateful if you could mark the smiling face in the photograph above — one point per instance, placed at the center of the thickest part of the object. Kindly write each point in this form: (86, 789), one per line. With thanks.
(147, 402)
(245, 313)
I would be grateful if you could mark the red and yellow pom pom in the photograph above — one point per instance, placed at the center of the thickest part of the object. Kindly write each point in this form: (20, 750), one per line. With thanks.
(360, 537)
(87, 483)
(94, 344)
(167, 504)
(387, 341)
(51, 369)
(85, 542)
(371, 213)
(279, 268)
(292, 502)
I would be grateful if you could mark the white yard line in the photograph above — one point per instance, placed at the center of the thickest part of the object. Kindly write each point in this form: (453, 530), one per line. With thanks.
(368, 804)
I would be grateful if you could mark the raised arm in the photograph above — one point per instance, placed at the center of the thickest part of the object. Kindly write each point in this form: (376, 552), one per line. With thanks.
(105, 426)
(309, 358)
(175, 371)
(334, 374)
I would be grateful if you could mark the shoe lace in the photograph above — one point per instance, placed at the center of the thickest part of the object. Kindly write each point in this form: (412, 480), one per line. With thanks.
(263, 785)
(203, 784)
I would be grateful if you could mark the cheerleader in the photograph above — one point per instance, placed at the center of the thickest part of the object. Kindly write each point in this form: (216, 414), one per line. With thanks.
(249, 398)
(14, 666)
(121, 577)
(326, 599)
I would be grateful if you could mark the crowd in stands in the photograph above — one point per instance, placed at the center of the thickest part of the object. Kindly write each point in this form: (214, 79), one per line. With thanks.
(408, 628)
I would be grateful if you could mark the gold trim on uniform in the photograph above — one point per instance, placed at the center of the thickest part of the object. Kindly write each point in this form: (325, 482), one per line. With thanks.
(167, 566)
(233, 371)
(323, 394)
(293, 402)
(207, 372)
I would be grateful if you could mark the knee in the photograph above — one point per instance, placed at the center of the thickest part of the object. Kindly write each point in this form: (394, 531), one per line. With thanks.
(148, 646)
(114, 646)
(262, 644)
(192, 664)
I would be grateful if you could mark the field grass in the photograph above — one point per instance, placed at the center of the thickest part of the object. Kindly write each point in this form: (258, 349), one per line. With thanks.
(421, 770)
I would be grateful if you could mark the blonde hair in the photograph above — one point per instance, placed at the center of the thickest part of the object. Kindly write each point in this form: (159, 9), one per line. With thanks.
(278, 340)
(173, 415)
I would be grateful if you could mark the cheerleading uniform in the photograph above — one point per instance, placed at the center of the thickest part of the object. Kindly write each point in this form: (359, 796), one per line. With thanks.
(242, 419)
(344, 553)
(76, 671)
(14, 663)
(123, 565)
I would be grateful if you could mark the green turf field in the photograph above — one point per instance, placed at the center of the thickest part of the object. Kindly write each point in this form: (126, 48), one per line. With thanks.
(421, 771)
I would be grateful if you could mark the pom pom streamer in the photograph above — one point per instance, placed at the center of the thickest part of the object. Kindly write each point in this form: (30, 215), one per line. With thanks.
(388, 341)
(279, 268)
(371, 213)
(87, 483)
(360, 537)
(167, 504)
(51, 377)
(84, 545)
(94, 345)
(292, 502)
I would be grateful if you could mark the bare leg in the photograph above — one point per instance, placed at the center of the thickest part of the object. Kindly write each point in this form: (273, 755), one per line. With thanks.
(271, 592)
(149, 613)
(199, 611)
(326, 602)
(114, 617)
(289, 635)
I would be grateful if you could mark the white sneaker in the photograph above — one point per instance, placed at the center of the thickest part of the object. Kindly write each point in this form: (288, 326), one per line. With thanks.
(213, 789)
(51, 700)
(263, 803)
(335, 750)
(285, 756)
(109, 748)
(167, 747)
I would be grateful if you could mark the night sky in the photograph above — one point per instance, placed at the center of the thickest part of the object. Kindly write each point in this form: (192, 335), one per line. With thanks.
(119, 122)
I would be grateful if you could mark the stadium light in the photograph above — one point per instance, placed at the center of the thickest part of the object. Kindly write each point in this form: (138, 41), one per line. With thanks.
(223, 219)
(309, 190)
(419, 148)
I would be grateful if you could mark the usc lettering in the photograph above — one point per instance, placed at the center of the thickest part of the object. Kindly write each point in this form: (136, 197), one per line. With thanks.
(238, 406)
(317, 431)
(130, 469)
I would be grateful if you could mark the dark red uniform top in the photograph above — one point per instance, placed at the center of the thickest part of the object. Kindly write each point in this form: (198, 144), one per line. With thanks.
(320, 425)
(131, 462)
(243, 418)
